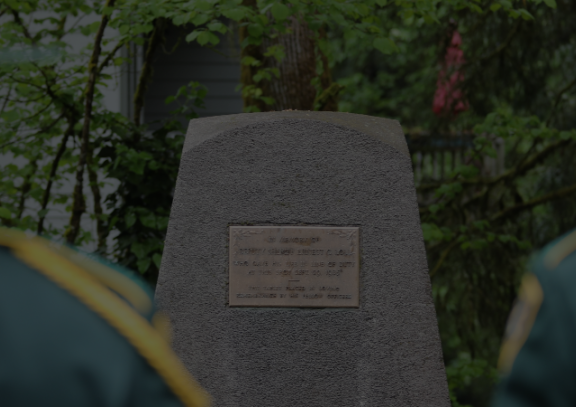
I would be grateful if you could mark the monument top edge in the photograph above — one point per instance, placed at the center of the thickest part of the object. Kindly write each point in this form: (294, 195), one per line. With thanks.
(272, 227)
(385, 130)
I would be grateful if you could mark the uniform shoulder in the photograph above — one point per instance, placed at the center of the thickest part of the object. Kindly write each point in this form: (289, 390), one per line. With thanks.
(558, 259)
(114, 299)
(120, 281)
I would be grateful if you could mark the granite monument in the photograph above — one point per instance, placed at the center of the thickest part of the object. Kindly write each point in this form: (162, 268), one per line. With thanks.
(294, 270)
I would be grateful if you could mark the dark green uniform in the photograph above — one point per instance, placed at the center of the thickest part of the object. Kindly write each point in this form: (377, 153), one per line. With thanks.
(538, 356)
(75, 332)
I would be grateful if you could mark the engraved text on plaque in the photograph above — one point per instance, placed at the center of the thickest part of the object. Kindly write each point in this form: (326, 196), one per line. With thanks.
(294, 266)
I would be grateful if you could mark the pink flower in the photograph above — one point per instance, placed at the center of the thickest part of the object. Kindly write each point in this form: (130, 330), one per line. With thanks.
(449, 97)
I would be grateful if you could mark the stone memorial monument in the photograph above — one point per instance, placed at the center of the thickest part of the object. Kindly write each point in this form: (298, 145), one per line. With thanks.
(294, 270)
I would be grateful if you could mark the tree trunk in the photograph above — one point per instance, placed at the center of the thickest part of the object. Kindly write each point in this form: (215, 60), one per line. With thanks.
(294, 88)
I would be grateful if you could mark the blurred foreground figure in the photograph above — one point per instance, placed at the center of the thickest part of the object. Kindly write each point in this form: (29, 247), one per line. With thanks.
(75, 332)
(538, 356)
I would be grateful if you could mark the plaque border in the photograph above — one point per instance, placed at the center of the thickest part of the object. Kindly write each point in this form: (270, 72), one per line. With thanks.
(284, 307)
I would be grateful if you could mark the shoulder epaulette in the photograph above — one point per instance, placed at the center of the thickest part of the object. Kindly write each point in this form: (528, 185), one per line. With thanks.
(96, 286)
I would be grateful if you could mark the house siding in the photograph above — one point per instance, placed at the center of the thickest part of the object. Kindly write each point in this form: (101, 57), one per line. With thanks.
(217, 69)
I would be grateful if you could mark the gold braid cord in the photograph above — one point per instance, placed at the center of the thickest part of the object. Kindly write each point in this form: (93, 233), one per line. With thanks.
(148, 342)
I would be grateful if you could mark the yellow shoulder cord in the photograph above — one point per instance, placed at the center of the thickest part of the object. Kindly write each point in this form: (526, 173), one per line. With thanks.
(520, 321)
(118, 282)
(560, 251)
(128, 322)
(108, 277)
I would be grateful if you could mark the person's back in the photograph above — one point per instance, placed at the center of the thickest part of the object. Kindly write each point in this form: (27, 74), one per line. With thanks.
(75, 332)
(538, 356)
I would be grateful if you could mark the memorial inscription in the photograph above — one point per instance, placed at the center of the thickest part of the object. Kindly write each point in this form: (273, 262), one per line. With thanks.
(294, 266)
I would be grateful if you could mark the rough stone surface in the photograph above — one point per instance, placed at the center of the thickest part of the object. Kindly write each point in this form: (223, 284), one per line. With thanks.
(289, 169)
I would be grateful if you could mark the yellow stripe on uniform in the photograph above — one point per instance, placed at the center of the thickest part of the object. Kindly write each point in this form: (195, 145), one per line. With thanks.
(115, 281)
(520, 321)
(560, 251)
(110, 278)
(149, 343)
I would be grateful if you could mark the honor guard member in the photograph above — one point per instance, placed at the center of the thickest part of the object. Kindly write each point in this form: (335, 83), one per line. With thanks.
(538, 355)
(76, 332)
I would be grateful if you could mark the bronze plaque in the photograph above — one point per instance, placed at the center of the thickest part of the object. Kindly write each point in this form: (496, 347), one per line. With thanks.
(294, 266)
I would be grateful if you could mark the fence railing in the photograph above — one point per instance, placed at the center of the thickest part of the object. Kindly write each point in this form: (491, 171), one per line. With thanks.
(435, 156)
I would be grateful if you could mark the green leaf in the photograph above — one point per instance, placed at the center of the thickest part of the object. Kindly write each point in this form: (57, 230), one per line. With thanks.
(203, 5)
(504, 238)
(495, 7)
(5, 213)
(475, 8)
(153, 165)
(280, 11)
(130, 219)
(385, 45)
(381, 3)
(525, 14)
(11, 115)
(162, 222)
(206, 37)
(148, 220)
(262, 19)
(143, 265)
(235, 14)
(513, 13)
(193, 35)
(255, 30)
(250, 61)
(435, 208)
(276, 51)
(217, 26)
(138, 249)
(181, 19)
(136, 165)
(565, 135)
(431, 232)
(157, 259)
(550, 3)
(200, 19)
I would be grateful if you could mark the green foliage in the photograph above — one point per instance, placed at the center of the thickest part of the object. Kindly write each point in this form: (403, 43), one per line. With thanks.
(43, 96)
(479, 228)
(147, 167)
(141, 204)
(464, 371)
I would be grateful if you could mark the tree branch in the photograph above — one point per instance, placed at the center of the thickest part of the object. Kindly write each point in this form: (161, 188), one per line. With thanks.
(101, 229)
(443, 257)
(109, 57)
(507, 213)
(19, 21)
(558, 99)
(511, 173)
(6, 99)
(78, 204)
(42, 130)
(502, 46)
(26, 186)
(146, 73)
(558, 194)
(53, 169)
(50, 92)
